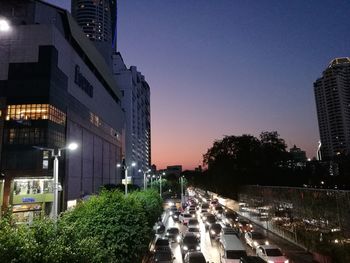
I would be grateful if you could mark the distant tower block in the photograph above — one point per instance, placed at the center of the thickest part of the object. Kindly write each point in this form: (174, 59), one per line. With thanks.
(332, 94)
(98, 19)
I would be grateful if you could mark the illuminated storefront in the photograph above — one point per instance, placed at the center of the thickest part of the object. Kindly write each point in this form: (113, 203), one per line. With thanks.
(31, 198)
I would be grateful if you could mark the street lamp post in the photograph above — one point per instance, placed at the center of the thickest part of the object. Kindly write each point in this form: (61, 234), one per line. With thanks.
(55, 154)
(182, 189)
(144, 178)
(160, 184)
(125, 167)
(153, 176)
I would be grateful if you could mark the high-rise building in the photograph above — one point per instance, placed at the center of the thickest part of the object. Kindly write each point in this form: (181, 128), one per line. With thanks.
(98, 19)
(136, 104)
(55, 88)
(332, 94)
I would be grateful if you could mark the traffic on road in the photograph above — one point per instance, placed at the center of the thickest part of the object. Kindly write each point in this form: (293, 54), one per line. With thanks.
(201, 230)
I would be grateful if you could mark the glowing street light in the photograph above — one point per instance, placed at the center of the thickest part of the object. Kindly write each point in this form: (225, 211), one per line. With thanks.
(55, 154)
(125, 167)
(160, 184)
(4, 25)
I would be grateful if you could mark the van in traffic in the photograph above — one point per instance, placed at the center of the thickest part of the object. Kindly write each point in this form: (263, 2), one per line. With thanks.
(231, 249)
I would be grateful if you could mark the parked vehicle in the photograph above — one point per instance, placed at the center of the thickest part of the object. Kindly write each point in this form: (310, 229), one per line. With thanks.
(255, 239)
(271, 254)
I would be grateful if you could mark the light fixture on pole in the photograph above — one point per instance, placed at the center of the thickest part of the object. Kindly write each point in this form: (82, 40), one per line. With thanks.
(55, 154)
(182, 189)
(125, 167)
(4, 25)
(160, 184)
(153, 176)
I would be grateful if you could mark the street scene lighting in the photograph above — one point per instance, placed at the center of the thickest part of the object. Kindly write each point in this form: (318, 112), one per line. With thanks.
(72, 146)
(4, 25)
(125, 167)
(55, 154)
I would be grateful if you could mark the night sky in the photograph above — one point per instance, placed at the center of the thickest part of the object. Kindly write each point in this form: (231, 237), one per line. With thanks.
(228, 67)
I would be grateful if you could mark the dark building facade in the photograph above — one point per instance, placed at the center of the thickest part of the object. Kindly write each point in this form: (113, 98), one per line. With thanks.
(332, 94)
(55, 88)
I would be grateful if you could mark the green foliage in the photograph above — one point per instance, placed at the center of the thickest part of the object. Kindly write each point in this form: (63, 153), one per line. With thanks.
(106, 228)
(241, 160)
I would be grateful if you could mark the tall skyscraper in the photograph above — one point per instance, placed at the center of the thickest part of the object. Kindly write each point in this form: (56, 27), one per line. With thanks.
(332, 94)
(98, 19)
(136, 104)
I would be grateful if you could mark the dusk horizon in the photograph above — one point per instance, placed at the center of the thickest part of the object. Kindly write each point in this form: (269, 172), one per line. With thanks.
(230, 68)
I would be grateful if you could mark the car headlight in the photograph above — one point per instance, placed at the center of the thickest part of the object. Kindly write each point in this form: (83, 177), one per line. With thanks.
(212, 232)
(250, 225)
(198, 248)
(167, 234)
(193, 215)
(170, 204)
(255, 243)
(185, 248)
(268, 243)
(175, 216)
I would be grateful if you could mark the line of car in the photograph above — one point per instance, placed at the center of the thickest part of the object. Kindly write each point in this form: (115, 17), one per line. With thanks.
(234, 227)
(224, 226)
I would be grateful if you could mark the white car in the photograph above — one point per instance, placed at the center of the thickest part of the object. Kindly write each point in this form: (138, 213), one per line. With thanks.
(184, 218)
(271, 254)
(255, 239)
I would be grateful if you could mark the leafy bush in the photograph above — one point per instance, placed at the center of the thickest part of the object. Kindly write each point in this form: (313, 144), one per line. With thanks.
(106, 228)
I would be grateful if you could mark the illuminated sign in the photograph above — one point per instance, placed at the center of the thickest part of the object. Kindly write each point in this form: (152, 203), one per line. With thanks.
(82, 82)
(28, 200)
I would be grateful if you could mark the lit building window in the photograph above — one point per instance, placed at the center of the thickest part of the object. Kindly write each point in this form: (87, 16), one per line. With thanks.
(94, 119)
(35, 112)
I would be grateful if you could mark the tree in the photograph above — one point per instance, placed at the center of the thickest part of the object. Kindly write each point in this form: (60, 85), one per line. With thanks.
(273, 149)
(245, 159)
